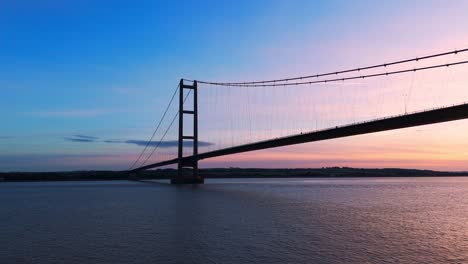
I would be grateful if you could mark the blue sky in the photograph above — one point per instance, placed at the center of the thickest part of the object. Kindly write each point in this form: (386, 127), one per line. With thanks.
(106, 69)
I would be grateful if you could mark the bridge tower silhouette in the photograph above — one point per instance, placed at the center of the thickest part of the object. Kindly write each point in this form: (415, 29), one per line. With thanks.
(187, 169)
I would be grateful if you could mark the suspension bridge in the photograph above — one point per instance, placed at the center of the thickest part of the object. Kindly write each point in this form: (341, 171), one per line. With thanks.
(187, 154)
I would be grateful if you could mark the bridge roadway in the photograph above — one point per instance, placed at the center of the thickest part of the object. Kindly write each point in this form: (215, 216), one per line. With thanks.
(426, 117)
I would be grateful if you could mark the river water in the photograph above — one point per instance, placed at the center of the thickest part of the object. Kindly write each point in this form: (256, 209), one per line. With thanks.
(353, 220)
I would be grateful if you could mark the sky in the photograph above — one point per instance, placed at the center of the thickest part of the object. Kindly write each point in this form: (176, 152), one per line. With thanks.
(83, 83)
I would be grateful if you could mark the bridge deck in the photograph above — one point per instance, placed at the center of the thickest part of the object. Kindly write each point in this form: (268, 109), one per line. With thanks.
(427, 117)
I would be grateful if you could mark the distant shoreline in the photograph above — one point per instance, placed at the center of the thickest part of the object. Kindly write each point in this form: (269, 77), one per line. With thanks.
(329, 172)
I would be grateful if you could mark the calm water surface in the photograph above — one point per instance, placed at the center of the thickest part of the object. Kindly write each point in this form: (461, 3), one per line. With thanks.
(392, 220)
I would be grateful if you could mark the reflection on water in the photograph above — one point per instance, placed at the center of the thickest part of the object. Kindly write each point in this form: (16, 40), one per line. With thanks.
(392, 220)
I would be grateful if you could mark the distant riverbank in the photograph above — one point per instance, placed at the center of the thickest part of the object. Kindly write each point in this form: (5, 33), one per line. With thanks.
(226, 173)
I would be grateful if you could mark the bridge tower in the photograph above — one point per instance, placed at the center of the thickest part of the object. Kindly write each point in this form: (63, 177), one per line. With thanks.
(187, 169)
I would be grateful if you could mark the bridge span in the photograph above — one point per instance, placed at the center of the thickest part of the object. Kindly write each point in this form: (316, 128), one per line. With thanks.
(433, 116)
(425, 117)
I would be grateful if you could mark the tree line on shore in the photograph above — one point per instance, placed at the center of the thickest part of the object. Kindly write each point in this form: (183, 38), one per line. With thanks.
(226, 173)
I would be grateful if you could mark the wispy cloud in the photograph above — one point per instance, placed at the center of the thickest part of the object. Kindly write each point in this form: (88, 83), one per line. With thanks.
(85, 137)
(81, 138)
(72, 139)
(112, 141)
(162, 144)
(166, 144)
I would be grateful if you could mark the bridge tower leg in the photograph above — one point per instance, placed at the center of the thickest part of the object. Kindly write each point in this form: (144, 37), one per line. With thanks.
(185, 165)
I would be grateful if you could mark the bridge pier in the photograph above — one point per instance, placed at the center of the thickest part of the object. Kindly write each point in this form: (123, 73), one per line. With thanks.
(192, 165)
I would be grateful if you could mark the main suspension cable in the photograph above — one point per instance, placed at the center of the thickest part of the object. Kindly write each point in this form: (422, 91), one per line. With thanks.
(157, 128)
(344, 79)
(167, 130)
(336, 72)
